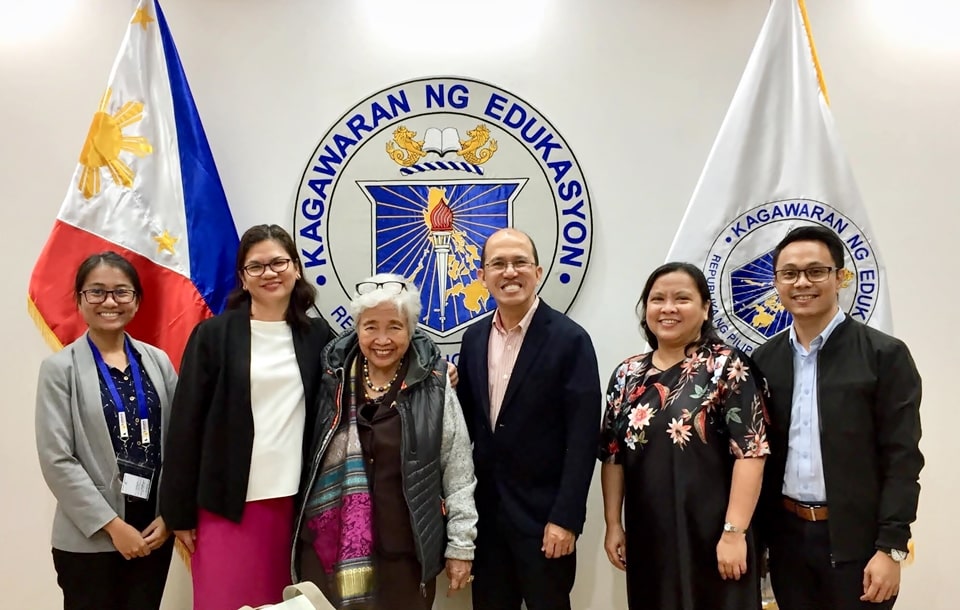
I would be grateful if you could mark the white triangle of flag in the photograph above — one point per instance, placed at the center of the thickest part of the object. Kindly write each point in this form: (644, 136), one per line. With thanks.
(776, 164)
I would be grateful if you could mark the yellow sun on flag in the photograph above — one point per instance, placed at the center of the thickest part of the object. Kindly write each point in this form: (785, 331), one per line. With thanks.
(104, 142)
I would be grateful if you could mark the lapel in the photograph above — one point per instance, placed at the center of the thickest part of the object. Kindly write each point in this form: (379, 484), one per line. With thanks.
(533, 342)
(88, 381)
(237, 339)
(481, 369)
(783, 368)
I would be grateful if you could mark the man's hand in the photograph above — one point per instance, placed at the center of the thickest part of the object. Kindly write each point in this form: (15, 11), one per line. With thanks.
(557, 541)
(881, 579)
(452, 374)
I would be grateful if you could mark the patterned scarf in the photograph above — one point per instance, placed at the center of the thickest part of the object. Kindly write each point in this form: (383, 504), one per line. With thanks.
(339, 511)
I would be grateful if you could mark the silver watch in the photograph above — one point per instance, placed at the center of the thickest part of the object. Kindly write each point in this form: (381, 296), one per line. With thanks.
(896, 554)
(729, 527)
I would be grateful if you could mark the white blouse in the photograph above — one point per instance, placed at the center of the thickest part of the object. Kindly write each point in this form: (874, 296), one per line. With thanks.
(279, 412)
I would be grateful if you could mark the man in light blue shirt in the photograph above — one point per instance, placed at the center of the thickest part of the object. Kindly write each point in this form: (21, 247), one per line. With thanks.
(841, 484)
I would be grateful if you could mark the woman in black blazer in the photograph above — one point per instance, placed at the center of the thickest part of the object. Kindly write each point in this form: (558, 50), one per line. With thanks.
(247, 394)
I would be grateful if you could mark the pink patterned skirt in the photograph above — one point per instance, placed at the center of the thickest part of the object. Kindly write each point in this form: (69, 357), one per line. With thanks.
(246, 563)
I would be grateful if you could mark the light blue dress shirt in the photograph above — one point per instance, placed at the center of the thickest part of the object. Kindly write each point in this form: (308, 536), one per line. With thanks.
(803, 478)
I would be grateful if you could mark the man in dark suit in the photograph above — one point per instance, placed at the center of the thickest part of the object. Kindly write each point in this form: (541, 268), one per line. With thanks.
(530, 391)
(841, 485)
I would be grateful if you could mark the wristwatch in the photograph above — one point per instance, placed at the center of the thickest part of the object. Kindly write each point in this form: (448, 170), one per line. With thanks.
(895, 554)
(729, 527)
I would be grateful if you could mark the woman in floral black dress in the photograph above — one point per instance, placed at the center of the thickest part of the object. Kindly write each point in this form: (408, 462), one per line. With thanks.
(683, 446)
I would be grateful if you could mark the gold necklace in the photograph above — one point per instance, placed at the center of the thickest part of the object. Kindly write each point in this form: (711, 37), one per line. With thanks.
(383, 388)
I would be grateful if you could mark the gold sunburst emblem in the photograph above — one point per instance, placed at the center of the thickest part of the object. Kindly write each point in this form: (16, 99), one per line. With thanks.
(104, 143)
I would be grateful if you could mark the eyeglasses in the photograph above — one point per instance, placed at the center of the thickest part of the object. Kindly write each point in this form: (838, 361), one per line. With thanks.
(279, 265)
(390, 287)
(501, 266)
(121, 296)
(813, 274)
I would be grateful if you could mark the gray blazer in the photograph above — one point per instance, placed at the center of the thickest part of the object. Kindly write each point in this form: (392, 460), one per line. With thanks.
(76, 454)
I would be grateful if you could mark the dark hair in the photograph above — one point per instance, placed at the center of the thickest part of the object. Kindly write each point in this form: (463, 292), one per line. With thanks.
(826, 236)
(483, 249)
(110, 259)
(707, 330)
(303, 296)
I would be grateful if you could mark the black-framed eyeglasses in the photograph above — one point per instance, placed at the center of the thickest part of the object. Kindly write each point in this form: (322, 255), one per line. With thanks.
(500, 266)
(121, 296)
(390, 287)
(278, 265)
(813, 274)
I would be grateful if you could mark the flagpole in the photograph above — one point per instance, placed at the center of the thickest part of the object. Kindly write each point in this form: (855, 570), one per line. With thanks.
(813, 50)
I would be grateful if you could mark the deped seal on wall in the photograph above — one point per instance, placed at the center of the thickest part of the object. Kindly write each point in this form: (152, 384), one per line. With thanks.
(414, 178)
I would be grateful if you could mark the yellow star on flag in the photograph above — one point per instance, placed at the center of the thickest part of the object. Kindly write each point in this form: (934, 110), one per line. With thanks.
(166, 242)
(142, 17)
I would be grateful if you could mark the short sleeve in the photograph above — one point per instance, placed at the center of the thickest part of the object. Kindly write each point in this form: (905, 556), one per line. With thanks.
(743, 404)
(609, 451)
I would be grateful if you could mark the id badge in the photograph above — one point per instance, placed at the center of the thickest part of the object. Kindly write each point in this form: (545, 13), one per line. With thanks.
(122, 420)
(136, 479)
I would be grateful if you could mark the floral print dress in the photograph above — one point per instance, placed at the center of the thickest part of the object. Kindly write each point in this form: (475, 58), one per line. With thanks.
(677, 434)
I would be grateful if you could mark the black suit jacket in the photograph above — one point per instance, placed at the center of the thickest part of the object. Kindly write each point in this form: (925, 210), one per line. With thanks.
(535, 468)
(210, 440)
(868, 394)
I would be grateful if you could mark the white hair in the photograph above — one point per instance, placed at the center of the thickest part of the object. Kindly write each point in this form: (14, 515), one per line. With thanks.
(406, 301)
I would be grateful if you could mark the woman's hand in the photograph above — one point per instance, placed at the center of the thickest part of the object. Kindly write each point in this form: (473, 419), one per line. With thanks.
(458, 571)
(127, 539)
(615, 544)
(732, 555)
(156, 534)
(452, 374)
(188, 538)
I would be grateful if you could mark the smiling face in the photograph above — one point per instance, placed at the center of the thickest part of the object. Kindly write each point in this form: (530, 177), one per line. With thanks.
(272, 288)
(675, 311)
(384, 336)
(512, 288)
(806, 300)
(109, 316)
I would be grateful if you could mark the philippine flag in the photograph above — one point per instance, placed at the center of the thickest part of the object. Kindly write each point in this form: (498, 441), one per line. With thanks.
(147, 187)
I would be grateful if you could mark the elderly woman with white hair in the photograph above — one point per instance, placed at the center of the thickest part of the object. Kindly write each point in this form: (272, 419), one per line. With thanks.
(388, 497)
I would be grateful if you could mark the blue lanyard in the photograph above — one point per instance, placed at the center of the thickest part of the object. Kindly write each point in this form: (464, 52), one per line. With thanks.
(137, 382)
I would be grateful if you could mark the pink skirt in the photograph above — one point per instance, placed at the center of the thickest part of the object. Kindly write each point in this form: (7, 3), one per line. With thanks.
(246, 563)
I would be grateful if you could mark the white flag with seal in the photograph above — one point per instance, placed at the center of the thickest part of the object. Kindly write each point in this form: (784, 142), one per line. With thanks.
(777, 164)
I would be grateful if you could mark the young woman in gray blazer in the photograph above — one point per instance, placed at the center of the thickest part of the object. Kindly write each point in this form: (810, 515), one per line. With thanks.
(102, 409)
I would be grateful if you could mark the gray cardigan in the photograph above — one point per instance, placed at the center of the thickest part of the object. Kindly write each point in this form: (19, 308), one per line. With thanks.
(74, 446)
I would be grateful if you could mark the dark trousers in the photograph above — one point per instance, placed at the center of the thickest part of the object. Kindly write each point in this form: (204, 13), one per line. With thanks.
(803, 576)
(509, 567)
(107, 581)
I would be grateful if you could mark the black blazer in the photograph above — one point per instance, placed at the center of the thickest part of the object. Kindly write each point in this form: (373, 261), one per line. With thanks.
(536, 466)
(210, 441)
(868, 391)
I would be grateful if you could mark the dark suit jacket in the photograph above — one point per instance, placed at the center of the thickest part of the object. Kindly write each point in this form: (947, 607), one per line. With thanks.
(536, 466)
(868, 394)
(210, 441)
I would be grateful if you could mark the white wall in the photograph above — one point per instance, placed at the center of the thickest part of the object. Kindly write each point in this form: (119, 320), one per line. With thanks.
(637, 87)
